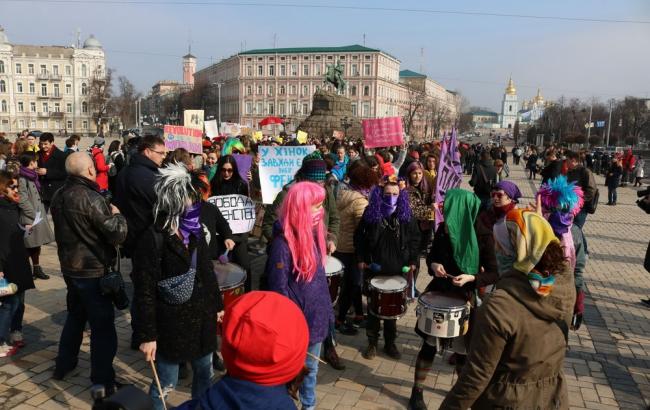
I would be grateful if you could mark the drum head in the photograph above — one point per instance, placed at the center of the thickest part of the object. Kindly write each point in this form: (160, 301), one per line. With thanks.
(229, 275)
(333, 265)
(385, 283)
(441, 300)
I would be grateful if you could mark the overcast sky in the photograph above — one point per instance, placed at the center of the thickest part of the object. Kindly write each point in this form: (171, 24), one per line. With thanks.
(475, 54)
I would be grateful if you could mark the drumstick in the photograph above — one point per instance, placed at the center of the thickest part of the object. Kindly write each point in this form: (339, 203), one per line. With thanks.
(224, 258)
(316, 358)
(160, 391)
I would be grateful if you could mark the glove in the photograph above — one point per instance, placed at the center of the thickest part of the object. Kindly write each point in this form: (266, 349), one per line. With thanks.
(578, 310)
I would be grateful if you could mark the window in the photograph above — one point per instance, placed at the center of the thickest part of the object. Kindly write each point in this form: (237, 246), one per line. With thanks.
(282, 109)
(260, 90)
(32, 124)
(21, 123)
(3, 105)
(84, 125)
(305, 90)
(283, 70)
(354, 69)
(32, 88)
(68, 70)
(70, 124)
(260, 70)
(2, 67)
(43, 69)
(84, 70)
(318, 69)
(366, 91)
(294, 108)
(249, 71)
(3, 86)
(19, 87)
(43, 90)
(366, 109)
(305, 69)
(32, 108)
(271, 108)
(353, 90)
(271, 89)
(19, 68)
(55, 69)
(510, 108)
(249, 108)
(305, 108)
(294, 90)
(84, 89)
(21, 106)
(366, 69)
(259, 108)
(68, 108)
(272, 70)
(56, 90)
(294, 69)
(68, 88)
(45, 125)
(30, 68)
(249, 90)
(57, 107)
(84, 107)
(366, 57)
(282, 90)
(45, 107)
(354, 109)
(57, 124)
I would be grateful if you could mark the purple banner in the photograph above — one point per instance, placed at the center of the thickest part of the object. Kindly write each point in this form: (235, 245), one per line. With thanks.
(244, 163)
(448, 173)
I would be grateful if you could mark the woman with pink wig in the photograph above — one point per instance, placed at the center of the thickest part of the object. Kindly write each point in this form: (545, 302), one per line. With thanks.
(296, 268)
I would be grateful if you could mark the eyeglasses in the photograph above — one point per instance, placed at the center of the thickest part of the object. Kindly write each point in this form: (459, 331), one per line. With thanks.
(163, 153)
(14, 187)
(227, 170)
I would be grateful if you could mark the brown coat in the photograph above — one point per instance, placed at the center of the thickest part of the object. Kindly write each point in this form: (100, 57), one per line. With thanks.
(517, 351)
(350, 205)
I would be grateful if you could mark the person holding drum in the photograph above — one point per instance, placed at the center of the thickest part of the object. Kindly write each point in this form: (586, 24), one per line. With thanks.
(521, 330)
(387, 242)
(296, 268)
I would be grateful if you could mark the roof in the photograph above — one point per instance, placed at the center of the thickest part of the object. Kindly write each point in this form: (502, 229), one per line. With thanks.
(42, 51)
(409, 73)
(295, 50)
(189, 56)
(483, 112)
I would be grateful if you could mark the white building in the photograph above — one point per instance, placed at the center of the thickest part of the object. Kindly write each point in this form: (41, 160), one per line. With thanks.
(509, 106)
(532, 110)
(47, 87)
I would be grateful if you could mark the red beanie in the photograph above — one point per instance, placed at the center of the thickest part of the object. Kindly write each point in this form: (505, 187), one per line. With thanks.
(265, 338)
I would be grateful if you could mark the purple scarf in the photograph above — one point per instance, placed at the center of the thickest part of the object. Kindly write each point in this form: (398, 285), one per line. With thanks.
(31, 175)
(189, 223)
(560, 222)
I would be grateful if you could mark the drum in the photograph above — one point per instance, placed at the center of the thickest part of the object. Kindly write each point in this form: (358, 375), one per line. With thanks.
(387, 296)
(334, 272)
(231, 278)
(441, 315)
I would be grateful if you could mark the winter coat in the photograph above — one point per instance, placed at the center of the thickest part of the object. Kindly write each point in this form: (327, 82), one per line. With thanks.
(313, 298)
(614, 174)
(584, 178)
(102, 168)
(86, 231)
(531, 162)
(350, 205)
(483, 178)
(234, 186)
(135, 196)
(517, 350)
(31, 204)
(56, 174)
(420, 203)
(14, 262)
(340, 168)
(182, 332)
(117, 157)
(551, 171)
(216, 229)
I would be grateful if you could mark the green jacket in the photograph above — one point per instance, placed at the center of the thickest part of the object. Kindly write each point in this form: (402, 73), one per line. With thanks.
(331, 215)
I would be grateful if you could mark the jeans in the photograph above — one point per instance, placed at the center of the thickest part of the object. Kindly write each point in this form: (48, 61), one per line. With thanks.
(17, 320)
(611, 193)
(308, 387)
(87, 305)
(8, 306)
(580, 220)
(168, 375)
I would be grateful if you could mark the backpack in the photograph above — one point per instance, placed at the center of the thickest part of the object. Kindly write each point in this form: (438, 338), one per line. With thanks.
(110, 159)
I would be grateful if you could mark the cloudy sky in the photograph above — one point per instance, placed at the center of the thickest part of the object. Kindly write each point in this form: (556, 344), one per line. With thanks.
(472, 53)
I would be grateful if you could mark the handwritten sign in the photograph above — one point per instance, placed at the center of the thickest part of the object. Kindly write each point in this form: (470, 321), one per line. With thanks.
(382, 132)
(278, 166)
(193, 119)
(231, 129)
(301, 137)
(211, 129)
(176, 136)
(238, 210)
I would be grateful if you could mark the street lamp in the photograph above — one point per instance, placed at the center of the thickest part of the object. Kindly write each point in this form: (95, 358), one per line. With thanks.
(219, 84)
(346, 123)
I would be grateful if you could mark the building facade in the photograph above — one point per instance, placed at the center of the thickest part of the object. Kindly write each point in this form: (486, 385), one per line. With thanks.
(48, 87)
(161, 105)
(281, 82)
(509, 106)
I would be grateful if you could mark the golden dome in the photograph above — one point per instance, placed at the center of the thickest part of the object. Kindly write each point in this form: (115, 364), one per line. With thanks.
(511, 90)
(538, 98)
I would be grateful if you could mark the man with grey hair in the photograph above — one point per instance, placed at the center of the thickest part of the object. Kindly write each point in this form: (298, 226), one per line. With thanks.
(87, 231)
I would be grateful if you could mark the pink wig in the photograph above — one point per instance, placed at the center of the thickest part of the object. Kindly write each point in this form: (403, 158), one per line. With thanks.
(306, 242)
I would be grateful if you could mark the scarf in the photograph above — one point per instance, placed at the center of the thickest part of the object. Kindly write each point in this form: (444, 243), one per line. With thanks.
(189, 223)
(501, 211)
(388, 205)
(460, 211)
(46, 155)
(30, 175)
(560, 222)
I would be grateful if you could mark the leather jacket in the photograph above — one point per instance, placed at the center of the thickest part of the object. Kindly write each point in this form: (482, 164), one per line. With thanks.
(86, 232)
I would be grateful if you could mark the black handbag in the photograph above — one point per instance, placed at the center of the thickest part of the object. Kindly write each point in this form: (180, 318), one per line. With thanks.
(178, 289)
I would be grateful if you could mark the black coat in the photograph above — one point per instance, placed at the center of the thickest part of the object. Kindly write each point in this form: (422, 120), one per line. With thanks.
(135, 196)
(183, 332)
(551, 171)
(13, 255)
(55, 176)
(216, 228)
(483, 178)
(234, 186)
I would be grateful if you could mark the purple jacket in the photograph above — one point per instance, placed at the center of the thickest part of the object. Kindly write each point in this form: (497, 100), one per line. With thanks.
(313, 298)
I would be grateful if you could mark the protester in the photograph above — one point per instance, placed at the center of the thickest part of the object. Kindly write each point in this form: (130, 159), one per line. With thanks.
(431, 169)
(613, 180)
(176, 323)
(116, 157)
(501, 174)
(531, 164)
(32, 144)
(639, 172)
(516, 154)
(296, 268)
(97, 153)
(70, 146)
(210, 167)
(51, 169)
(584, 178)
(341, 162)
(14, 265)
(484, 178)
(87, 231)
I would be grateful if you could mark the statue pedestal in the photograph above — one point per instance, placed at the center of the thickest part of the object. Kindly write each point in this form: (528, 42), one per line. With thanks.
(328, 109)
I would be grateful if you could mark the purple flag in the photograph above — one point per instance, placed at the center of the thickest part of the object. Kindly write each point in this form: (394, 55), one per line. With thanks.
(448, 174)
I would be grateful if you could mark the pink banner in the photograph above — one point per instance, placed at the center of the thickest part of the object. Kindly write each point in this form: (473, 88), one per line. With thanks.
(176, 136)
(382, 132)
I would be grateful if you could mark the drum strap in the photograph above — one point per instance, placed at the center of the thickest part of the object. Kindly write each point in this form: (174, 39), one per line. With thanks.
(560, 323)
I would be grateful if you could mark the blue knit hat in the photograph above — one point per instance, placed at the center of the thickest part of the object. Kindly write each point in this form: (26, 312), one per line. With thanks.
(313, 167)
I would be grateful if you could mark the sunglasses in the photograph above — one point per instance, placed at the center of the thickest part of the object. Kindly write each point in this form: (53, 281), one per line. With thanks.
(14, 187)
(227, 170)
(498, 195)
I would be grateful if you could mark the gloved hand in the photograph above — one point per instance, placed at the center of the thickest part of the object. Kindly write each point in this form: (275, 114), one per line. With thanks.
(578, 310)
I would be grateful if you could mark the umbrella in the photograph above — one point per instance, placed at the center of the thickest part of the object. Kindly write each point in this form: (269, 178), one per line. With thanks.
(271, 120)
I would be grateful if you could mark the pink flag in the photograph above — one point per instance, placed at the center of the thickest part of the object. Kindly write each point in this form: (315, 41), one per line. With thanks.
(382, 132)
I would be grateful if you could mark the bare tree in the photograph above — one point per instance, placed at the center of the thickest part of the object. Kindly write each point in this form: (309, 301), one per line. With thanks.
(123, 104)
(437, 116)
(416, 103)
(99, 97)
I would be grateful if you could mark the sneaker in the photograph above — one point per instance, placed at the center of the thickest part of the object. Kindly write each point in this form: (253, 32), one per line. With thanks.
(16, 339)
(416, 402)
(7, 350)
(370, 352)
(391, 351)
(39, 274)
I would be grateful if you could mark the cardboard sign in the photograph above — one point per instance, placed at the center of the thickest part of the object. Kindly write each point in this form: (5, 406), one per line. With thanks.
(211, 129)
(382, 132)
(239, 211)
(193, 119)
(230, 129)
(278, 166)
(244, 163)
(257, 136)
(176, 136)
(301, 137)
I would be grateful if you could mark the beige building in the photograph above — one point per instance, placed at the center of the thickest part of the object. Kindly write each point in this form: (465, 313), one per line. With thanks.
(47, 87)
(281, 82)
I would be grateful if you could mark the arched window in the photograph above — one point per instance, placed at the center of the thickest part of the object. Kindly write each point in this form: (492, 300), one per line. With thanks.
(260, 90)
(84, 107)
(353, 90)
(3, 86)
(3, 106)
(249, 90)
(366, 91)
(2, 67)
(84, 70)
(282, 90)
(84, 89)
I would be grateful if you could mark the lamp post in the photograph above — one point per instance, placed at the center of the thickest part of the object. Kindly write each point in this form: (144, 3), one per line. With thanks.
(346, 123)
(218, 84)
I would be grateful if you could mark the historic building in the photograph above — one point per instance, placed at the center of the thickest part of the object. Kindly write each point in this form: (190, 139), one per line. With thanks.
(509, 106)
(532, 110)
(47, 87)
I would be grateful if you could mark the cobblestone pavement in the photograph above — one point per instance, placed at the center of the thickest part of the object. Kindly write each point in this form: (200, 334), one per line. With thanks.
(607, 365)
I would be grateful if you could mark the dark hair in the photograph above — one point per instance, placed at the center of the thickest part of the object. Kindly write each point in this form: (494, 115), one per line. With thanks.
(362, 176)
(227, 159)
(329, 162)
(46, 136)
(26, 158)
(426, 161)
(70, 142)
(150, 142)
(75, 137)
(115, 146)
(179, 156)
(485, 155)
(553, 259)
(6, 178)
(572, 155)
(372, 161)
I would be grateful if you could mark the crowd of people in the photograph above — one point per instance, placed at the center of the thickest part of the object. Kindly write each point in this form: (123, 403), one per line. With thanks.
(514, 270)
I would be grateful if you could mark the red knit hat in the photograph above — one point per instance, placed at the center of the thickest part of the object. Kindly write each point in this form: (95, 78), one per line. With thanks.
(265, 338)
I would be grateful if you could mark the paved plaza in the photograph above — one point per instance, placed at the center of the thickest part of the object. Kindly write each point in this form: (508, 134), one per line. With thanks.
(607, 365)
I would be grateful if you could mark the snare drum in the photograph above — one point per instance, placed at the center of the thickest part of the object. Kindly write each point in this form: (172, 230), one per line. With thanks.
(441, 315)
(387, 296)
(231, 278)
(334, 272)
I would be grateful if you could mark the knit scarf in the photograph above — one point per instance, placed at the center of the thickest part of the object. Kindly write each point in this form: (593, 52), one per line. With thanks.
(30, 175)
(189, 223)
(460, 211)
(501, 211)
(46, 155)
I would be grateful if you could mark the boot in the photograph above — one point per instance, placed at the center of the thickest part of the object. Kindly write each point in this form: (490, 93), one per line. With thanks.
(39, 274)
(391, 350)
(416, 402)
(333, 358)
(183, 372)
(370, 352)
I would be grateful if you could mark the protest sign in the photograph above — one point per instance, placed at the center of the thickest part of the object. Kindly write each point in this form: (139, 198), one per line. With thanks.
(257, 136)
(448, 176)
(239, 211)
(176, 136)
(301, 137)
(278, 165)
(337, 135)
(231, 129)
(243, 165)
(211, 129)
(193, 119)
(382, 132)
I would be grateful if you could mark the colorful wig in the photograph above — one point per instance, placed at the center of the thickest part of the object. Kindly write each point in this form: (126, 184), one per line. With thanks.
(560, 195)
(233, 144)
(175, 194)
(306, 242)
(373, 213)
